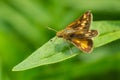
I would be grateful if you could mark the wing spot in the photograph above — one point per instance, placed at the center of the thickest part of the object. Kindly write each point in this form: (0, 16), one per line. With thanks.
(82, 24)
(85, 16)
(78, 22)
(81, 27)
(84, 44)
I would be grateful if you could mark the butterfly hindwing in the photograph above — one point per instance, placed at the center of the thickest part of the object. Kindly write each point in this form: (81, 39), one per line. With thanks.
(85, 45)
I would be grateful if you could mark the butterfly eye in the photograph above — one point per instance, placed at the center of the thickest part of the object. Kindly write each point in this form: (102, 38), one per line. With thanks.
(59, 35)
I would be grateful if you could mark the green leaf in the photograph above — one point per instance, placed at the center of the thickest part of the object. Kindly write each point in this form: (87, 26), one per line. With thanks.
(57, 50)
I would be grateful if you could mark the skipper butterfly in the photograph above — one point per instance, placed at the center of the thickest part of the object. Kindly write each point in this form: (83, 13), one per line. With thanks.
(78, 33)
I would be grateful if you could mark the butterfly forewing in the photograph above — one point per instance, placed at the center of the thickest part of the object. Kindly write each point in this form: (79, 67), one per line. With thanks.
(83, 23)
(91, 34)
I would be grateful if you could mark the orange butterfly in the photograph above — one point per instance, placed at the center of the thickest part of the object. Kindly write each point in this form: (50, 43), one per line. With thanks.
(78, 33)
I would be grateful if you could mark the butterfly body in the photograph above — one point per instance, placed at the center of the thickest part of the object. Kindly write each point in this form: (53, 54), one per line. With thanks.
(78, 33)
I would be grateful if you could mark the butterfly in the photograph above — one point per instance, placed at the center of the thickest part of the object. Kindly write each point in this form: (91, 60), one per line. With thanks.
(78, 33)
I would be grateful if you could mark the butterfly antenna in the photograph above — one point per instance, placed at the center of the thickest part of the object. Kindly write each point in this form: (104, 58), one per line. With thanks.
(52, 29)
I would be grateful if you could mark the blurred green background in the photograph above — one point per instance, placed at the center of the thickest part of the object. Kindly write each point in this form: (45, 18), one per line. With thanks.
(23, 30)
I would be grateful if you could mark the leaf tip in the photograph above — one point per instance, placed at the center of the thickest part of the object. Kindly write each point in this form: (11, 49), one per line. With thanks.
(18, 68)
(14, 69)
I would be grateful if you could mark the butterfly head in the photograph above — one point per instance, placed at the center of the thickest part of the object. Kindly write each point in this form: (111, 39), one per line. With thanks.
(60, 34)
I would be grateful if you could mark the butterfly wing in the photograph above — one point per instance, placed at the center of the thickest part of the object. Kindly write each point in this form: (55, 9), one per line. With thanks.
(85, 45)
(91, 34)
(83, 23)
